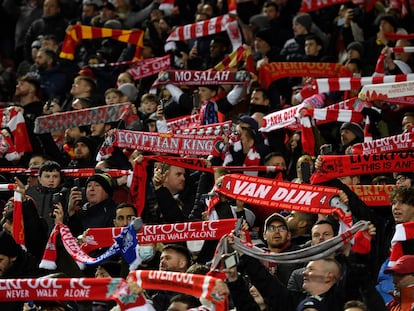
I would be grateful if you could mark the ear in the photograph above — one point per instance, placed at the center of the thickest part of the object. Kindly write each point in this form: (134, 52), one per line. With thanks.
(289, 235)
(302, 223)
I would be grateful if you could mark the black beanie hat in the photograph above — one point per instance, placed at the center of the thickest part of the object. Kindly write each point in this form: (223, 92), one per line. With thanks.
(305, 20)
(354, 128)
(266, 35)
(88, 142)
(8, 246)
(105, 180)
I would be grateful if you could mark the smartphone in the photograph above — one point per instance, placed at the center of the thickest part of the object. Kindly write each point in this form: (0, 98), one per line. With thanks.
(327, 149)
(306, 172)
(76, 183)
(230, 260)
(56, 198)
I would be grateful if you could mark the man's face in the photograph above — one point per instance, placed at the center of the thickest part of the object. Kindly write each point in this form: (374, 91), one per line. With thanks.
(50, 179)
(402, 281)
(406, 122)
(293, 220)
(271, 12)
(402, 181)
(314, 275)
(402, 212)
(170, 260)
(257, 99)
(312, 48)
(71, 134)
(216, 49)
(123, 216)
(51, 8)
(41, 61)
(82, 151)
(98, 129)
(178, 306)
(22, 89)
(347, 136)
(299, 29)
(261, 46)
(276, 234)
(205, 93)
(95, 193)
(101, 273)
(321, 233)
(5, 263)
(277, 161)
(175, 179)
(79, 87)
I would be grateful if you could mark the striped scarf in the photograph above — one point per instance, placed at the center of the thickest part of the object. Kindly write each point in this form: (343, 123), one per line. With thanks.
(76, 33)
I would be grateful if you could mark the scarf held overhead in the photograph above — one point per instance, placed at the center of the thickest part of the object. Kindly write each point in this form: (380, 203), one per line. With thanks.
(386, 90)
(13, 119)
(334, 166)
(191, 284)
(303, 255)
(88, 116)
(166, 233)
(125, 244)
(281, 195)
(76, 33)
(401, 142)
(271, 72)
(150, 67)
(195, 145)
(193, 77)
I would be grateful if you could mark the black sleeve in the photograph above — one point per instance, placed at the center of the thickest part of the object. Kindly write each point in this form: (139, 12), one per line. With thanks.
(241, 297)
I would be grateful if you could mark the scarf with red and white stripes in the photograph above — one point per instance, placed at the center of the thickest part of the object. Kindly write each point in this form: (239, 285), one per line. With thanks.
(12, 118)
(209, 27)
(403, 232)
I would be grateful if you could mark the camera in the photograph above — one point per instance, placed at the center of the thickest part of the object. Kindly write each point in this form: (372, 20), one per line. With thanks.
(230, 260)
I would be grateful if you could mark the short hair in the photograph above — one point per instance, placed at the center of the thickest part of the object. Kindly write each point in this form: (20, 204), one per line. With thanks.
(114, 90)
(126, 205)
(317, 39)
(190, 301)
(182, 250)
(274, 154)
(264, 92)
(335, 226)
(49, 166)
(88, 80)
(404, 195)
(149, 97)
(310, 219)
(271, 3)
(355, 304)
(409, 114)
(49, 53)
(32, 79)
(198, 268)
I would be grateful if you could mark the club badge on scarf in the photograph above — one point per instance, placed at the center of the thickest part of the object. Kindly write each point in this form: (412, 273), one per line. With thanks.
(125, 244)
(276, 194)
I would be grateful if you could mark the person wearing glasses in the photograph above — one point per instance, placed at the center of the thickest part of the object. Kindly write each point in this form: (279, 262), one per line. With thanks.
(278, 239)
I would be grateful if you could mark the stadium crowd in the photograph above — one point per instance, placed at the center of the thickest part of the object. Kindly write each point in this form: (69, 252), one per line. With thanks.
(123, 64)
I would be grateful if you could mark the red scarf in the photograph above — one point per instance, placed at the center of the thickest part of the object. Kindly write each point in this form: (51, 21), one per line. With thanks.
(403, 232)
(88, 116)
(271, 72)
(387, 90)
(278, 195)
(191, 284)
(167, 233)
(334, 166)
(73, 289)
(150, 66)
(76, 33)
(13, 119)
(18, 224)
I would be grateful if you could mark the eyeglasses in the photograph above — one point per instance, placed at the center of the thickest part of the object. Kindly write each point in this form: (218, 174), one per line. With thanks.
(280, 228)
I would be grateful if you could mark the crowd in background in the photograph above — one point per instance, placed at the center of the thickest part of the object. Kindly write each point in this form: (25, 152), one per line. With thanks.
(34, 78)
